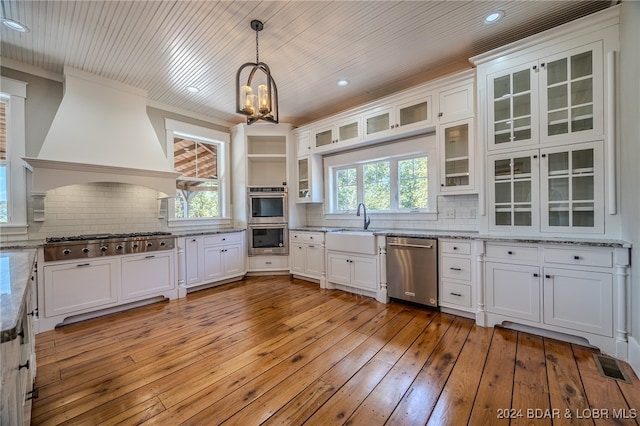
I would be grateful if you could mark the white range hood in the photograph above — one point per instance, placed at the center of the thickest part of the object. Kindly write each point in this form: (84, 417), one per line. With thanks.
(101, 133)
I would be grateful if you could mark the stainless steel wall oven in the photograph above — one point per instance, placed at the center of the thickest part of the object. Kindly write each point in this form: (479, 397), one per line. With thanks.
(266, 239)
(267, 204)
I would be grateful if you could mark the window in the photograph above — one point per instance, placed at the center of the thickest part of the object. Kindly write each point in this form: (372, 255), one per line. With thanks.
(392, 178)
(13, 199)
(200, 155)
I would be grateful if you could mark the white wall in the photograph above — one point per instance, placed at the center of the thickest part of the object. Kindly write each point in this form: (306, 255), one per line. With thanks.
(629, 89)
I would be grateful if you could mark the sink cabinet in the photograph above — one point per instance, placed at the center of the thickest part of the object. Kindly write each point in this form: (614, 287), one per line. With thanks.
(352, 270)
(353, 264)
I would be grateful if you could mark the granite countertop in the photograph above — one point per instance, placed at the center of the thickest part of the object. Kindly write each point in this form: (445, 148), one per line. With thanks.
(15, 273)
(471, 235)
(207, 232)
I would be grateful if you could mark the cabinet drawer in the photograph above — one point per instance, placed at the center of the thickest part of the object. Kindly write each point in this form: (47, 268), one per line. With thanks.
(456, 268)
(265, 263)
(570, 256)
(307, 237)
(512, 252)
(210, 240)
(457, 294)
(455, 247)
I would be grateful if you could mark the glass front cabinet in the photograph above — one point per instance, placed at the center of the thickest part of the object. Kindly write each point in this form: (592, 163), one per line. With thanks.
(405, 115)
(556, 190)
(457, 174)
(342, 132)
(558, 98)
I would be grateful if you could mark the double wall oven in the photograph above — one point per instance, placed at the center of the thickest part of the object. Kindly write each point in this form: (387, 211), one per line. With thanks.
(268, 231)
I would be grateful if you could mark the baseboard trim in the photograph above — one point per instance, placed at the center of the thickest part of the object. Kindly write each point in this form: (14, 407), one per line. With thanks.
(634, 355)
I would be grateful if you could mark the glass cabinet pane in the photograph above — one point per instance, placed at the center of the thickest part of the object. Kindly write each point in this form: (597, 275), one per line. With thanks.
(571, 188)
(512, 107)
(513, 192)
(303, 178)
(379, 123)
(414, 113)
(570, 94)
(324, 138)
(348, 131)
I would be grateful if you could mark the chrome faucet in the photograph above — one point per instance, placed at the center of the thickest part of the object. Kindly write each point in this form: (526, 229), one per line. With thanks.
(367, 220)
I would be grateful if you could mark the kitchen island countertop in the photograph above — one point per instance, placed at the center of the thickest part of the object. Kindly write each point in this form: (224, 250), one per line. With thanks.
(15, 273)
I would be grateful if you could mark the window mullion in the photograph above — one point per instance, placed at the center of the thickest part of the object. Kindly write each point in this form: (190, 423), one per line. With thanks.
(394, 185)
(360, 184)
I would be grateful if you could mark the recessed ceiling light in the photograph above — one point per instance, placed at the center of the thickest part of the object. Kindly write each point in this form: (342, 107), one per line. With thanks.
(494, 17)
(15, 25)
(343, 82)
(193, 89)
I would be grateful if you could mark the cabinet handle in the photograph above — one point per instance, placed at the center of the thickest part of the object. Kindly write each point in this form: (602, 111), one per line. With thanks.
(543, 155)
(535, 156)
(542, 65)
(149, 257)
(33, 313)
(21, 334)
(456, 294)
(577, 257)
(509, 252)
(311, 247)
(193, 241)
(455, 248)
(224, 239)
(548, 276)
(25, 365)
(267, 263)
(456, 269)
(535, 275)
(535, 67)
(33, 394)
(82, 264)
(440, 114)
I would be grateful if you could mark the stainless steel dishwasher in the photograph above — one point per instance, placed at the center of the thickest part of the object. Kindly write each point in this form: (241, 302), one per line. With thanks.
(412, 270)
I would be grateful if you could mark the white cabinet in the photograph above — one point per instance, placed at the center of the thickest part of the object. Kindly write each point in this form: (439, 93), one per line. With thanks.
(456, 275)
(457, 153)
(303, 142)
(570, 289)
(558, 97)
(147, 274)
(307, 254)
(309, 182)
(456, 103)
(402, 115)
(352, 270)
(559, 189)
(81, 286)
(213, 258)
(341, 132)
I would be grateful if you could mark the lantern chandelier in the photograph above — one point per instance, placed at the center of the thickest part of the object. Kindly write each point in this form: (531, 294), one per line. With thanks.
(260, 104)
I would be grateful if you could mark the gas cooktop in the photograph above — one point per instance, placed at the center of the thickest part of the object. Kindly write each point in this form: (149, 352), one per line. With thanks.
(90, 237)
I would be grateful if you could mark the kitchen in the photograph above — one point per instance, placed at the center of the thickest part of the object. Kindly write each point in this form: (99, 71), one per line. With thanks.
(262, 154)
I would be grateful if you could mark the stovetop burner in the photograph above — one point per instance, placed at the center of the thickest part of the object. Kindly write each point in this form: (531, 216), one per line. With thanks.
(90, 237)
(99, 245)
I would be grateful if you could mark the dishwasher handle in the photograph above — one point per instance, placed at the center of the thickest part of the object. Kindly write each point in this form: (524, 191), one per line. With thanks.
(409, 245)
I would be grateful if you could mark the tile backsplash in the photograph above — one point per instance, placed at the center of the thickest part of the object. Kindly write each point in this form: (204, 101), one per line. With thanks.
(455, 213)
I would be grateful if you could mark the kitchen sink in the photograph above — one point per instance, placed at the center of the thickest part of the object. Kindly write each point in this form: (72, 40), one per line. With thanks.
(362, 242)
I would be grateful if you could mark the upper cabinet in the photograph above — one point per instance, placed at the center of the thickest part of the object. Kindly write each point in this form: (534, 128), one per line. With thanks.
(403, 115)
(549, 127)
(341, 132)
(457, 102)
(557, 98)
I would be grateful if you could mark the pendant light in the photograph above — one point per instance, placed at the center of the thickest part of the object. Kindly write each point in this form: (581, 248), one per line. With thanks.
(258, 97)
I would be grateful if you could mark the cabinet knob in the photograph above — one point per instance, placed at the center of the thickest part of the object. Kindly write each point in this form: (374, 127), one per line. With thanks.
(455, 248)
(548, 276)
(66, 251)
(25, 365)
(535, 275)
(440, 114)
(535, 67)
(577, 257)
(509, 252)
(224, 239)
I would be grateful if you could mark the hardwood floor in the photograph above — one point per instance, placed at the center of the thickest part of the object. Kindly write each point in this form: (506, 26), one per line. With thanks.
(271, 350)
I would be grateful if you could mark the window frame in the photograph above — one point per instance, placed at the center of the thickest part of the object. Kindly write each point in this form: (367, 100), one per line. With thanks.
(222, 141)
(15, 93)
(395, 151)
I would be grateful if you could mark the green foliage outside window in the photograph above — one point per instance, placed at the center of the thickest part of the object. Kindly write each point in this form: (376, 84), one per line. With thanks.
(414, 183)
(377, 192)
(347, 189)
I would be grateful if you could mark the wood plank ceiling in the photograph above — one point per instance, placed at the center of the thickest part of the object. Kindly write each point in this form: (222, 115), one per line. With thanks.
(164, 46)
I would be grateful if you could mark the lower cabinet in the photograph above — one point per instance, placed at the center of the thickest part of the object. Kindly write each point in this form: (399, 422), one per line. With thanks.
(306, 250)
(213, 258)
(353, 271)
(456, 275)
(569, 289)
(147, 275)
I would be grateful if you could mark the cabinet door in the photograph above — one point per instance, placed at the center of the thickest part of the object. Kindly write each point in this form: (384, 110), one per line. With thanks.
(233, 260)
(579, 300)
(323, 136)
(147, 275)
(379, 122)
(572, 188)
(364, 272)
(514, 191)
(303, 142)
(79, 286)
(193, 258)
(571, 102)
(512, 110)
(304, 191)
(297, 255)
(414, 113)
(213, 263)
(314, 259)
(457, 147)
(338, 268)
(349, 130)
(513, 290)
(456, 103)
